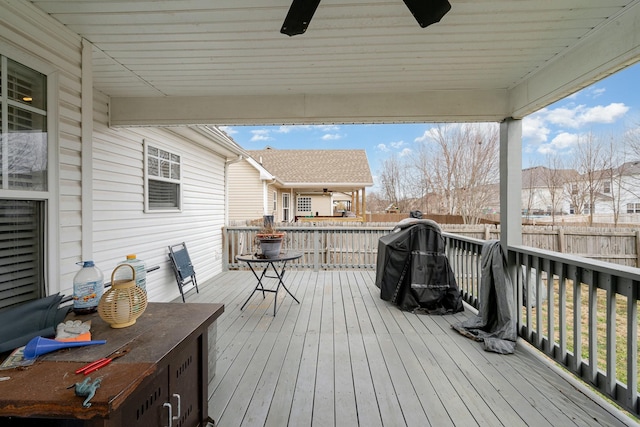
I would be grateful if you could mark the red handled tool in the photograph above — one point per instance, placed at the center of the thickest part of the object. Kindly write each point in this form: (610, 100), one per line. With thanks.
(94, 366)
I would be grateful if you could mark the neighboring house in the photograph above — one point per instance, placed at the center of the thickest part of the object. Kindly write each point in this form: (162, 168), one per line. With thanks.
(615, 191)
(298, 183)
(602, 193)
(543, 190)
(73, 188)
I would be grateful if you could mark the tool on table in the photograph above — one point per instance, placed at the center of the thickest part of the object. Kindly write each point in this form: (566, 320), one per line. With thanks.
(94, 366)
(86, 389)
(39, 345)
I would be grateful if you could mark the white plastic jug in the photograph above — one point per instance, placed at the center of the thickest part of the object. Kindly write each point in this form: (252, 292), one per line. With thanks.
(140, 268)
(88, 287)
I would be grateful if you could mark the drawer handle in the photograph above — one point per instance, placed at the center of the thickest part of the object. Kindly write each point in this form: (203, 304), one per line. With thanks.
(168, 405)
(177, 396)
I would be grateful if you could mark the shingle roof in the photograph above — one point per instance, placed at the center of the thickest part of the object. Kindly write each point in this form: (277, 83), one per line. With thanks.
(316, 166)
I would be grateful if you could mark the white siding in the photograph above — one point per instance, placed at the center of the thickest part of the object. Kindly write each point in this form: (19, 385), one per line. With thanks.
(122, 227)
(32, 38)
(245, 192)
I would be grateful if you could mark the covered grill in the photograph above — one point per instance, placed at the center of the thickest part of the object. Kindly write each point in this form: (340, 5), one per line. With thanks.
(413, 271)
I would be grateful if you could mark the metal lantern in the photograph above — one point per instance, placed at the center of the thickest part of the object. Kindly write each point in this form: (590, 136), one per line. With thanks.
(124, 302)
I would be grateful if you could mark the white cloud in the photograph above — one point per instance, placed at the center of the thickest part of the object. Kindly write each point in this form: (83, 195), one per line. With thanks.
(397, 144)
(406, 152)
(285, 129)
(382, 147)
(331, 136)
(428, 135)
(228, 130)
(563, 142)
(534, 128)
(608, 114)
(580, 115)
(260, 135)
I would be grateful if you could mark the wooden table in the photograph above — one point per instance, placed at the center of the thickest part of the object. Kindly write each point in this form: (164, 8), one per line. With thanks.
(168, 362)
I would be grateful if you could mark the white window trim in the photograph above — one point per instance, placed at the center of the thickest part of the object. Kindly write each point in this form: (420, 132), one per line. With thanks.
(50, 197)
(180, 182)
(275, 203)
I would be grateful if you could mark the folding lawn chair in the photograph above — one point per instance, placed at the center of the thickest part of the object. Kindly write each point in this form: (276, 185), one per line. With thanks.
(183, 268)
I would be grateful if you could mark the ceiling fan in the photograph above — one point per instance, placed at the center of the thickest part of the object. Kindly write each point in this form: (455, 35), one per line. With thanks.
(426, 12)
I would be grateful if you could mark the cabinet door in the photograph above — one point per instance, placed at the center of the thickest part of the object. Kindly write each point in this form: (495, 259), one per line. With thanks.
(145, 406)
(186, 381)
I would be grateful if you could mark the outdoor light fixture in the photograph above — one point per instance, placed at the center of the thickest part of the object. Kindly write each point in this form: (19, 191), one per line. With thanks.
(426, 12)
(299, 16)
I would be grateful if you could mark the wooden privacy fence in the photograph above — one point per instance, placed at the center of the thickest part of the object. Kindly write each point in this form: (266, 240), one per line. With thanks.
(619, 246)
(356, 246)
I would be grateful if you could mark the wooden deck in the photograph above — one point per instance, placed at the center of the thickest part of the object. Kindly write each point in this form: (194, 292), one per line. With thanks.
(344, 357)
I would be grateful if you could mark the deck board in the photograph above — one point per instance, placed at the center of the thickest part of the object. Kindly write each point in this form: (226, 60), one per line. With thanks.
(344, 357)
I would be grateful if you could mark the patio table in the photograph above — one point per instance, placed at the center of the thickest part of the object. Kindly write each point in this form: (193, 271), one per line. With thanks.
(266, 263)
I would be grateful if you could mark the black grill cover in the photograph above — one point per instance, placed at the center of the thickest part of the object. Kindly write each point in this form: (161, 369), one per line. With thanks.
(413, 271)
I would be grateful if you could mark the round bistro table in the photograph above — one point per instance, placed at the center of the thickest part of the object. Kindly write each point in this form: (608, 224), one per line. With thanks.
(265, 263)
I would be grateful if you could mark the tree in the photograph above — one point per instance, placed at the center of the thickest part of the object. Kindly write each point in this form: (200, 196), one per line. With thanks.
(554, 178)
(460, 163)
(395, 182)
(591, 162)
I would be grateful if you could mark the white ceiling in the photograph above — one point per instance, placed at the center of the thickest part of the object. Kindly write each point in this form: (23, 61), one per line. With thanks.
(225, 61)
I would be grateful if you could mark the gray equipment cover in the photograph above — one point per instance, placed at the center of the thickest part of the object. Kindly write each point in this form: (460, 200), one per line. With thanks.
(34, 318)
(413, 271)
(495, 323)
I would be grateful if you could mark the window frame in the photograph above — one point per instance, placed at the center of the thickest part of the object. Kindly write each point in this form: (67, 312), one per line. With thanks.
(147, 177)
(633, 208)
(46, 199)
(275, 202)
(286, 207)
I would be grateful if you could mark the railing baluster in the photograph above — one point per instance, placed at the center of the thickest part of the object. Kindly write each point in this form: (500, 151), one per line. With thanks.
(607, 282)
(590, 278)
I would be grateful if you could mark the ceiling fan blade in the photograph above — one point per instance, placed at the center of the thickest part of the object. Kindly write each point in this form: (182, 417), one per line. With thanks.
(299, 16)
(428, 12)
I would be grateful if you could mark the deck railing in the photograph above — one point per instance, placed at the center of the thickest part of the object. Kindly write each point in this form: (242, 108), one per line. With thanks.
(323, 248)
(582, 313)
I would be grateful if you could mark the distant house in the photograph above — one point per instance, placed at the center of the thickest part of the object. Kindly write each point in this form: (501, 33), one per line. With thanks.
(602, 192)
(298, 183)
(606, 192)
(543, 190)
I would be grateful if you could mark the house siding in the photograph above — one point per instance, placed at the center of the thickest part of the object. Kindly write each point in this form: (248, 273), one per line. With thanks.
(119, 224)
(245, 192)
(30, 37)
(122, 227)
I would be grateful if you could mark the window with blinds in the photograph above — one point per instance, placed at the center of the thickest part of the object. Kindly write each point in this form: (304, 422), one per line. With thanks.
(163, 179)
(21, 251)
(24, 167)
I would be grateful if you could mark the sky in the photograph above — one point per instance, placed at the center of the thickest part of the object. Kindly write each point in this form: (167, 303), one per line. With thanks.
(609, 107)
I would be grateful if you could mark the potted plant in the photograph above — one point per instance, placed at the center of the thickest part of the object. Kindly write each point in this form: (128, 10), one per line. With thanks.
(269, 240)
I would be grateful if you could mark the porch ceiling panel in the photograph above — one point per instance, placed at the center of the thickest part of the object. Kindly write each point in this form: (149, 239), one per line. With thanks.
(359, 61)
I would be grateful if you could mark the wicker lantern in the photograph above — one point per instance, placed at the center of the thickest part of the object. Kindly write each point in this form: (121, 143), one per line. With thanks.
(124, 302)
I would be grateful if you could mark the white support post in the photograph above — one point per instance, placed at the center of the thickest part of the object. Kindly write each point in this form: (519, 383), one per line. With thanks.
(511, 182)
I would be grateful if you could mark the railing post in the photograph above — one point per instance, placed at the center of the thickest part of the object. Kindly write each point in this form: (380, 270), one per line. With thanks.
(225, 249)
(316, 250)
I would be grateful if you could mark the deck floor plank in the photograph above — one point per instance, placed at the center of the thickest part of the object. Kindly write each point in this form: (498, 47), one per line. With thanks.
(345, 357)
